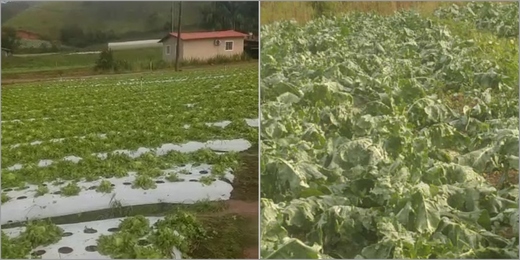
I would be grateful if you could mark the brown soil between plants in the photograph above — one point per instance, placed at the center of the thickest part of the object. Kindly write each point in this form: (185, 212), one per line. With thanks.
(512, 179)
(247, 209)
(243, 206)
(494, 178)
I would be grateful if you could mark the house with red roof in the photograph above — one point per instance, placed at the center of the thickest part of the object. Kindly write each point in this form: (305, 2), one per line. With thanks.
(24, 34)
(203, 45)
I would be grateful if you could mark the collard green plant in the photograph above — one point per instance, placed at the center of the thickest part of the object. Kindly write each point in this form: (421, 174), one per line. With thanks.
(378, 133)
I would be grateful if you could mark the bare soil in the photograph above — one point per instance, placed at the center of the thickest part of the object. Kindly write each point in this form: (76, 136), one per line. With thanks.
(494, 178)
(245, 197)
(236, 207)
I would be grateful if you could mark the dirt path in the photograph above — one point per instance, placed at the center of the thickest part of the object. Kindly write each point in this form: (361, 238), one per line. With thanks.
(239, 218)
(248, 209)
(245, 201)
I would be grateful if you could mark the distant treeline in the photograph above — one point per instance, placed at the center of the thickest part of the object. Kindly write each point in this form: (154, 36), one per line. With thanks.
(226, 15)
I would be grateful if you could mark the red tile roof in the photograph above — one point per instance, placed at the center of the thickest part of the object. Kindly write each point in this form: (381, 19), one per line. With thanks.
(206, 35)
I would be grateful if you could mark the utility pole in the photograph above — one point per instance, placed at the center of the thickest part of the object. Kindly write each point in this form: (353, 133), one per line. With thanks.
(178, 38)
(171, 9)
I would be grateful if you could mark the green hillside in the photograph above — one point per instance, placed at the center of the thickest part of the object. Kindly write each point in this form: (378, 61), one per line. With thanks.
(123, 18)
(9, 10)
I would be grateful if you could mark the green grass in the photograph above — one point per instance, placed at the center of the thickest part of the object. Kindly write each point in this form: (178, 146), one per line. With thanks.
(64, 61)
(121, 17)
(64, 64)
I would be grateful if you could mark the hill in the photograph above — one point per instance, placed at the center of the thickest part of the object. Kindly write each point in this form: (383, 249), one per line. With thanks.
(127, 20)
(10, 9)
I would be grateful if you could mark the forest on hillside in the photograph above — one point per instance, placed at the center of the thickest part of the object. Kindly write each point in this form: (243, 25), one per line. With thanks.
(102, 22)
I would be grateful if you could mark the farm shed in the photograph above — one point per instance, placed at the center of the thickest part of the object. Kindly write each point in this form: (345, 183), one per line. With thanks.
(251, 46)
(134, 45)
(203, 45)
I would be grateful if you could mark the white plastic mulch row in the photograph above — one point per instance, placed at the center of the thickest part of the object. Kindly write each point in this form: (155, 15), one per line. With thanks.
(134, 81)
(25, 205)
(222, 124)
(172, 79)
(235, 145)
(79, 240)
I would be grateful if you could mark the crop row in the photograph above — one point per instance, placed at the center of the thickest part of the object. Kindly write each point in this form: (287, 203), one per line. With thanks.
(26, 105)
(140, 99)
(93, 165)
(145, 120)
(66, 198)
(82, 84)
(172, 236)
(130, 96)
(130, 139)
(222, 124)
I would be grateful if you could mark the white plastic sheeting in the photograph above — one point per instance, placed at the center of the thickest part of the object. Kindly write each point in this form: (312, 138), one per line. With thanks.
(135, 45)
(235, 145)
(24, 205)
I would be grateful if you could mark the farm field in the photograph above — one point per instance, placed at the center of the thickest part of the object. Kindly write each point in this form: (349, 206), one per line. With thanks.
(165, 162)
(391, 136)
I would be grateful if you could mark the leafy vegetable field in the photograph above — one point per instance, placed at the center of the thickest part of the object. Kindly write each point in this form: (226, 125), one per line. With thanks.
(391, 136)
(73, 147)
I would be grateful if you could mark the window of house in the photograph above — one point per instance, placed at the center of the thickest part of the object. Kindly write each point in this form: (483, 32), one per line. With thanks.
(229, 45)
(168, 50)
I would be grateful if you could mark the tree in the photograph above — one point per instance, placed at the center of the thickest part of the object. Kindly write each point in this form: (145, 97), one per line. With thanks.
(229, 15)
(105, 61)
(321, 8)
(153, 21)
(9, 38)
(73, 35)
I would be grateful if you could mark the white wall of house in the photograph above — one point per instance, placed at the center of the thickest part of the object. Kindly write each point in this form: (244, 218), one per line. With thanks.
(169, 49)
(202, 49)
